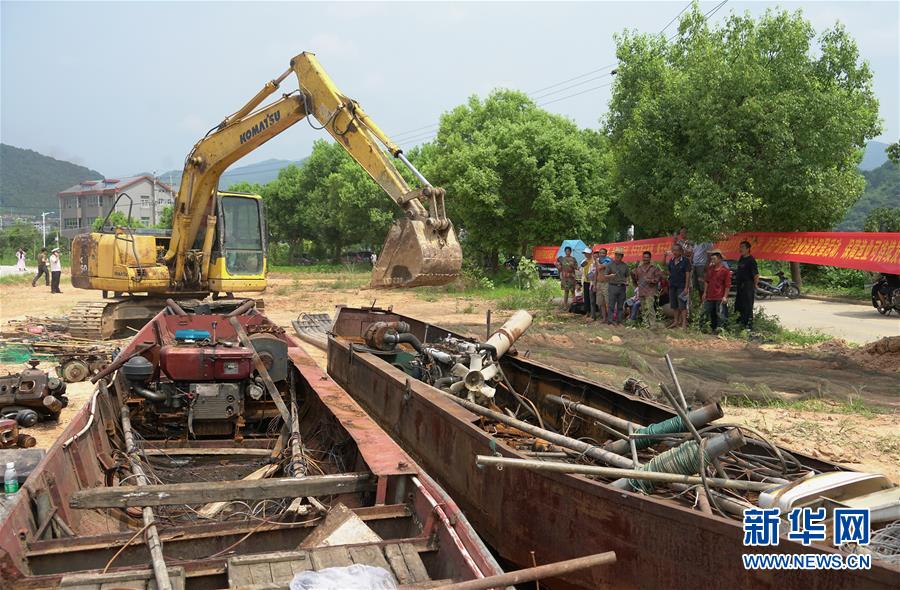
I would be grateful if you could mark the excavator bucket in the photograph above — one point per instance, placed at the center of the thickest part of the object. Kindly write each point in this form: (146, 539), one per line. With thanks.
(416, 254)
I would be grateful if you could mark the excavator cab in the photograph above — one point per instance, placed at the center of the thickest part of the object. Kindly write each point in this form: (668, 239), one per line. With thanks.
(238, 258)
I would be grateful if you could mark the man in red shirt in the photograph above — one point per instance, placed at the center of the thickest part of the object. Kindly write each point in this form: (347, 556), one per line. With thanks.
(718, 282)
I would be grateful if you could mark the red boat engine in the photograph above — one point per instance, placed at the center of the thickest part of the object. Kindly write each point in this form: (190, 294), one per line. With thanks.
(203, 389)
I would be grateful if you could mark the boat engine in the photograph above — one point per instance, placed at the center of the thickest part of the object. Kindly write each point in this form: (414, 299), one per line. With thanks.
(207, 389)
(462, 367)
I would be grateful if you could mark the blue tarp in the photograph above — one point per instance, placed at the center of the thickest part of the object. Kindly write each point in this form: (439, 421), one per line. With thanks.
(576, 245)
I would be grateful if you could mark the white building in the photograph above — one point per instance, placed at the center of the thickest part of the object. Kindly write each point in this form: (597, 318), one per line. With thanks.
(79, 205)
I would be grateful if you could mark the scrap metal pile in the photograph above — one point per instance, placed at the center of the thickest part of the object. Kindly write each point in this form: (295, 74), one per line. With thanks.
(48, 339)
(693, 458)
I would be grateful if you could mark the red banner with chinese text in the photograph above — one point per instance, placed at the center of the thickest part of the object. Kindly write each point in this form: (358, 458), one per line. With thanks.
(871, 251)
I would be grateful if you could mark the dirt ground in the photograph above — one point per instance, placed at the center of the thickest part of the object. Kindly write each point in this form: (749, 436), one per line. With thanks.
(834, 373)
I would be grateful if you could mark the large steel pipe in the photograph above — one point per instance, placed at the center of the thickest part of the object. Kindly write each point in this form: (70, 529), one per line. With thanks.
(509, 332)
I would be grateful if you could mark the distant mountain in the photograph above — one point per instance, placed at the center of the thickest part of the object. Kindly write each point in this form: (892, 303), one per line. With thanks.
(29, 181)
(259, 173)
(874, 157)
(882, 190)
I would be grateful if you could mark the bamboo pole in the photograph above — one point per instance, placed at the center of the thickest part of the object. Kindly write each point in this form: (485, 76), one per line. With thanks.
(151, 536)
(535, 573)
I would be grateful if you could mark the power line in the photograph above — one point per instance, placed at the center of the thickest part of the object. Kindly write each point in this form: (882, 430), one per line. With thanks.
(606, 67)
(585, 91)
(540, 94)
(674, 18)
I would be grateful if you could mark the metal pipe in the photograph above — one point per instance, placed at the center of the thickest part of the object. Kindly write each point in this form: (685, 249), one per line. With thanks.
(413, 169)
(242, 308)
(151, 536)
(690, 426)
(153, 396)
(503, 339)
(557, 439)
(715, 447)
(530, 574)
(698, 417)
(176, 309)
(677, 384)
(559, 467)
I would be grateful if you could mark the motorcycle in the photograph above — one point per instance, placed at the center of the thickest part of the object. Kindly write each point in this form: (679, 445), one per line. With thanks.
(886, 294)
(785, 287)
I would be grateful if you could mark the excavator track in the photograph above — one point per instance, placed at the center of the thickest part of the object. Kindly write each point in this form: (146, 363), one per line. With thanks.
(93, 320)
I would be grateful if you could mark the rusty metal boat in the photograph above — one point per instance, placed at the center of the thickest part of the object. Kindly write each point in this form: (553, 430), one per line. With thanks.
(385, 360)
(215, 453)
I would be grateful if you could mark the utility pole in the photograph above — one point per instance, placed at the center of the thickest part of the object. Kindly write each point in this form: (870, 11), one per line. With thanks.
(44, 226)
(153, 219)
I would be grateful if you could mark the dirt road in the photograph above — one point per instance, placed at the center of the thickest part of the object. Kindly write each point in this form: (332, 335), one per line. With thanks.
(854, 323)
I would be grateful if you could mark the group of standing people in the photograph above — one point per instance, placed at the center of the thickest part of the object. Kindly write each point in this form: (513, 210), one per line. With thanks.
(688, 267)
(48, 265)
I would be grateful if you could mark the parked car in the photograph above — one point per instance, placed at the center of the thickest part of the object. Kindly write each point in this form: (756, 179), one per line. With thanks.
(547, 271)
(361, 257)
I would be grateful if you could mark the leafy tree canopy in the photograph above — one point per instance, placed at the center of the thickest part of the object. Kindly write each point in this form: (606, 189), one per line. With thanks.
(117, 219)
(754, 125)
(517, 175)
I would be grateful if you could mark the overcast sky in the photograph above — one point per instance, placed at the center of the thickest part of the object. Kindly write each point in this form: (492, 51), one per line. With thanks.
(131, 86)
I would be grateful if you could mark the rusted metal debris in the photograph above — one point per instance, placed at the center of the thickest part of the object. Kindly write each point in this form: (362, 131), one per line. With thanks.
(591, 434)
(11, 437)
(48, 339)
(32, 392)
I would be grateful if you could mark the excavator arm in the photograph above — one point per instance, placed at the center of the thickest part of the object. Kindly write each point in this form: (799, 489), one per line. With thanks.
(421, 248)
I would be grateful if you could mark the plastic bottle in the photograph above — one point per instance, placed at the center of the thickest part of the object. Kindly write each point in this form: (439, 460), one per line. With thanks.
(10, 479)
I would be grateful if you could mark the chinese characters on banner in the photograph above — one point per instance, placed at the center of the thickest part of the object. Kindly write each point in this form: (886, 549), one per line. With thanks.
(871, 251)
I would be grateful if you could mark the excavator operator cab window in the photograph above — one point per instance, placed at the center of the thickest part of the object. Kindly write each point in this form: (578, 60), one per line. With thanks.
(242, 234)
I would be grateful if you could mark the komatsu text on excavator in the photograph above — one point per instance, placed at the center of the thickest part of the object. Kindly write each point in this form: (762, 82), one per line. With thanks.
(217, 244)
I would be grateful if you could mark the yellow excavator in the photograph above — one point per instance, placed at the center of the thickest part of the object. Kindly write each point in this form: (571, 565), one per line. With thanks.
(217, 244)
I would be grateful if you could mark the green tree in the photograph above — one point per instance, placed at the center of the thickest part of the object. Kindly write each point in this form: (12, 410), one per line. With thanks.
(749, 126)
(893, 152)
(20, 235)
(165, 218)
(330, 201)
(517, 175)
(117, 219)
(885, 219)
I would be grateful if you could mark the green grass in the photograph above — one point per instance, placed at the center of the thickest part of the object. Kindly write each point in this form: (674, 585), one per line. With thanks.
(851, 405)
(18, 279)
(327, 268)
(842, 292)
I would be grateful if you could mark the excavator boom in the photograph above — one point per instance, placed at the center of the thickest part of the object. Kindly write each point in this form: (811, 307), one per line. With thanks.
(421, 247)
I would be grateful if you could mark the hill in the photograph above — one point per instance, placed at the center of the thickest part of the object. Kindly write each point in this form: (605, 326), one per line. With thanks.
(29, 181)
(259, 173)
(874, 156)
(882, 190)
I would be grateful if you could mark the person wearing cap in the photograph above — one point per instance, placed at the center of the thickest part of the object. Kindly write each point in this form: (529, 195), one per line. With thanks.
(646, 277)
(718, 282)
(55, 271)
(586, 266)
(679, 286)
(567, 266)
(599, 284)
(617, 275)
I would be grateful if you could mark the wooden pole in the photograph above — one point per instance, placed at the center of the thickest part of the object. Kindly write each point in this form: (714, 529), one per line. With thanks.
(535, 573)
(151, 535)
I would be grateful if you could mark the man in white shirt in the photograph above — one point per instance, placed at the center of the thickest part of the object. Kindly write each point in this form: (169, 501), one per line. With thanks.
(55, 271)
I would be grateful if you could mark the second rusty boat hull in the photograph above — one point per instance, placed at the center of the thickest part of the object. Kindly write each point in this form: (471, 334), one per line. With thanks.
(658, 543)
